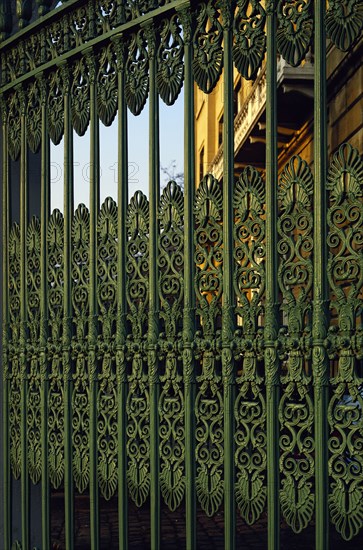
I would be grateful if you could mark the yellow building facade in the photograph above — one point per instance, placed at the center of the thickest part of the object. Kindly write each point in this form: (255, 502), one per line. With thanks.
(295, 113)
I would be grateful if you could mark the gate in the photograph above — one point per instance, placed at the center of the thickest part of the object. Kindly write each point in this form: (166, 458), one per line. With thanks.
(196, 350)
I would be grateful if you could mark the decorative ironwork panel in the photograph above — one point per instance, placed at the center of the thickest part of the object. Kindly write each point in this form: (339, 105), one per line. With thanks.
(33, 117)
(295, 29)
(250, 38)
(34, 381)
(207, 42)
(14, 126)
(250, 405)
(15, 376)
(345, 273)
(209, 400)
(344, 22)
(202, 350)
(170, 66)
(107, 86)
(107, 395)
(55, 107)
(171, 401)
(56, 391)
(138, 399)
(107, 15)
(80, 302)
(80, 97)
(296, 411)
(137, 73)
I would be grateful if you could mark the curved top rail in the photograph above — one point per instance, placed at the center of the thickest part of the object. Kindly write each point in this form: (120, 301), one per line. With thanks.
(18, 19)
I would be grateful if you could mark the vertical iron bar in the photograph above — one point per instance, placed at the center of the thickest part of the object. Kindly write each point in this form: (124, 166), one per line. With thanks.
(5, 305)
(44, 216)
(153, 320)
(271, 323)
(122, 191)
(23, 324)
(67, 311)
(228, 289)
(93, 304)
(189, 295)
(320, 296)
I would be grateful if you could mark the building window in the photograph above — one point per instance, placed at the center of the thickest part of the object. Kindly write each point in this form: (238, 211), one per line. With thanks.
(236, 97)
(220, 131)
(201, 164)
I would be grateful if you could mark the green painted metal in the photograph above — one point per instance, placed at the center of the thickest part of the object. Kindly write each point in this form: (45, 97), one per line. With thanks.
(44, 319)
(93, 300)
(272, 370)
(198, 349)
(23, 333)
(5, 329)
(121, 293)
(228, 298)
(66, 292)
(153, 294)
(188, 276)
(320, 294)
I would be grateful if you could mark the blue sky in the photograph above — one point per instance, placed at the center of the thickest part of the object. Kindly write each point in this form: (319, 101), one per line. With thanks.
(171, 148)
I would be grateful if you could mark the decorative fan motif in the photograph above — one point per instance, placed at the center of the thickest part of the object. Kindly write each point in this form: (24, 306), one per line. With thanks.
(14, 134)
(249, 194)
(345, 275)
(107, 87)
(137, 76)
(208, 200)
(250, 494)
(295, 28)
(34, 117)
(250, 39)
(55, 108)
(344, 22)
(80, 97)
(170, 67)
(297, 506)
(345, 175)
(207, 42)
(138, 215)
(296, 185)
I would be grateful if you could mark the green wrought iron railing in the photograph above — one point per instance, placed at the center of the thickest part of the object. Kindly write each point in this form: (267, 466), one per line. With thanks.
(203, 347)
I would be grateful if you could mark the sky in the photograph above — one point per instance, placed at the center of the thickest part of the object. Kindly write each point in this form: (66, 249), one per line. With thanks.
(171, 148)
